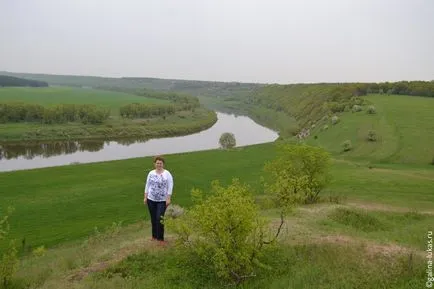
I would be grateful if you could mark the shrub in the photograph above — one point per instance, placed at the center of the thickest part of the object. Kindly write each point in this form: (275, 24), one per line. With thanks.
(325, 127)
(372, 135)
(356, 108)
(347, 145)
(336, 107)
(225, 231)
(227, 140)
(9, 264)
(335, 119)
(355, 100)
(298, 174)
(432, 161)
(371, 109)
(9, 259)
(40, 251)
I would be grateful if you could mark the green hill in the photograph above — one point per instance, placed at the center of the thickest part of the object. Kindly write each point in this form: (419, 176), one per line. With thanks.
(6, 81)
(403, 127)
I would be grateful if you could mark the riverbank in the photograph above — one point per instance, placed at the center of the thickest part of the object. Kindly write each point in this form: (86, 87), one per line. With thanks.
(65, 113)
(180, 123)
(29, 155)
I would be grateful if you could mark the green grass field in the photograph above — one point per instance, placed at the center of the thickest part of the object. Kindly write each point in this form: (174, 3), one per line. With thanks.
(70, 201)
(371, 234)
(404, 126)
(180, 123)
(59, 95)
(60, 206)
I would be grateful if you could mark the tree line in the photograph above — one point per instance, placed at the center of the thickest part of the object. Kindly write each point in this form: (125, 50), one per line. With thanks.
(61, 113)
(178, 102)
(6, 81)
(181, 101)
(142, 110)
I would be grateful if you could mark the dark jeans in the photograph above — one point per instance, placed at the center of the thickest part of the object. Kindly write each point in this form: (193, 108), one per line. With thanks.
(157, 210)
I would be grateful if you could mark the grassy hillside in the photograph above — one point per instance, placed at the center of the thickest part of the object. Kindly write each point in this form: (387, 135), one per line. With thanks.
(7, 81)
(74, 199)
(69, 202)
(403, 125)
(192, 87)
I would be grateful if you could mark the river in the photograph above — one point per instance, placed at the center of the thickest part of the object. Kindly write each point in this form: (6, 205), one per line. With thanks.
(49, 154)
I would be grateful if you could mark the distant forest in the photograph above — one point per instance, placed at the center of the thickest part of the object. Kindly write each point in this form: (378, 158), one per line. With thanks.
(15, 81)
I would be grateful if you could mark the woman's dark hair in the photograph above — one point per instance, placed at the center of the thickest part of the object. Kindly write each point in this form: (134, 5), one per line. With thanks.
(159, 158)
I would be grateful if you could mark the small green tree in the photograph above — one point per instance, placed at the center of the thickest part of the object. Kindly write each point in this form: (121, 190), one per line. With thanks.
(371, 109)
(356, 108)
(335, 119)
(9, 260)
(9, 264)
(347, 145)
(372, 135)
(225, 231)
(227, 140)
(298, 174)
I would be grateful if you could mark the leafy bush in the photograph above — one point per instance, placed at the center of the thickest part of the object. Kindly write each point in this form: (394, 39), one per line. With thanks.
(432, 161)
(336, 106)
(227, 140)
(298, 174)
(225, 231)
(40, 251)
(9, 260)
(356, 108)
(372, 135)
(335, 119)
(347, 145)
(371, 109)
(356, 101)
(9, 264)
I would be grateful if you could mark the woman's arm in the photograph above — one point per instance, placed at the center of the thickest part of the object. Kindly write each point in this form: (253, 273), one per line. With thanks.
(145, 197)
(169, 188)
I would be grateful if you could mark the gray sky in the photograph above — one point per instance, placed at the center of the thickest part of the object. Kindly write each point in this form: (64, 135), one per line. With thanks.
(238, 40)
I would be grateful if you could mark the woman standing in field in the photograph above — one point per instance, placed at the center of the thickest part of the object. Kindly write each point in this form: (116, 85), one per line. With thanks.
(158, 191)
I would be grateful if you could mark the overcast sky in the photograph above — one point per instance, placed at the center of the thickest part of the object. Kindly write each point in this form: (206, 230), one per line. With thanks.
(237, 40)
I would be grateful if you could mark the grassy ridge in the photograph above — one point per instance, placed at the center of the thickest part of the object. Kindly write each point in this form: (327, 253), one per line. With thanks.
(403, 124)
(69, 201)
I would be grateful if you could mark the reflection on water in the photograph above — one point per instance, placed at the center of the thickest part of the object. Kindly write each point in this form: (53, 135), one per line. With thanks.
(31, 150)
(48, 154)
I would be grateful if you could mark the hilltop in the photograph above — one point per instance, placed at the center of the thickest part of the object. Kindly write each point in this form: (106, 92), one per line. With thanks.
(7, 81)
